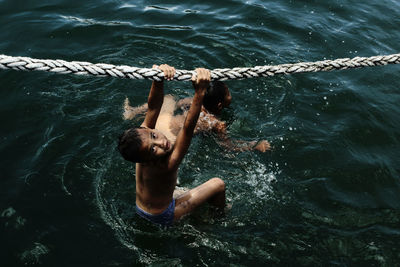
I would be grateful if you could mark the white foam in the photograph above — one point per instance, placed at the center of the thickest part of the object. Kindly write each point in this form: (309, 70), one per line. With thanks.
(261, 179)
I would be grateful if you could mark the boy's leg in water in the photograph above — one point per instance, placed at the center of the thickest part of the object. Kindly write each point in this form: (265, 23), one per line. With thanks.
(212, 191)
(179, 190)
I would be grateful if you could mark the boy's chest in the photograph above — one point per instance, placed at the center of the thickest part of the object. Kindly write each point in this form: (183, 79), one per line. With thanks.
(155, 178)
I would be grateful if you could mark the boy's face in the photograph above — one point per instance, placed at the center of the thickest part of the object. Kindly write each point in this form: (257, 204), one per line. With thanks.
(154, 143)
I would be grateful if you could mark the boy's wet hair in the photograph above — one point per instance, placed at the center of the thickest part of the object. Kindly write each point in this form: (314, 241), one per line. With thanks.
(129, 144)
(215, 94)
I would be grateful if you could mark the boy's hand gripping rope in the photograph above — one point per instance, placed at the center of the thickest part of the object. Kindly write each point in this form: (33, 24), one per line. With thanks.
(100, 69)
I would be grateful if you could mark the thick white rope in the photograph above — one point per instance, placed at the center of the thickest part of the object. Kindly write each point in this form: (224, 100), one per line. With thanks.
(100, 69)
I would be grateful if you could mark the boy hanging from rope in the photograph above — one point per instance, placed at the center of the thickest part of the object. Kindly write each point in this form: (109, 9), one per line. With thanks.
(157, 158)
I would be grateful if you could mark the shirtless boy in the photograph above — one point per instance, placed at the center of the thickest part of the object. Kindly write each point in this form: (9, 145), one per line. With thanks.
(157, 158)
(217, 98)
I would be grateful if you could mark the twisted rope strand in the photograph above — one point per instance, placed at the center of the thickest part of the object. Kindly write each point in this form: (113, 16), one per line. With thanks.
(122, 71)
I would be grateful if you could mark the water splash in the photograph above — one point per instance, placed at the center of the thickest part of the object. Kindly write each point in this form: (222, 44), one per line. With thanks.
(260, 178)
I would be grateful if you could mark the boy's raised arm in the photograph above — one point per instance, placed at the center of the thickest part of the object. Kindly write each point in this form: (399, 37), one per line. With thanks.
(156, 96)
(200, 83)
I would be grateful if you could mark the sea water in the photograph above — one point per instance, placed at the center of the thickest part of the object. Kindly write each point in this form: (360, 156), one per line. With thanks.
(327, 194)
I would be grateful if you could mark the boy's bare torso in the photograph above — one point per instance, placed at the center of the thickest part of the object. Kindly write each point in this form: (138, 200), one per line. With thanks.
(170, 124)
(154, 187)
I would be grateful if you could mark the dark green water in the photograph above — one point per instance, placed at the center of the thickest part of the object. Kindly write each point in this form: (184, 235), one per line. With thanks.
(328, 194)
